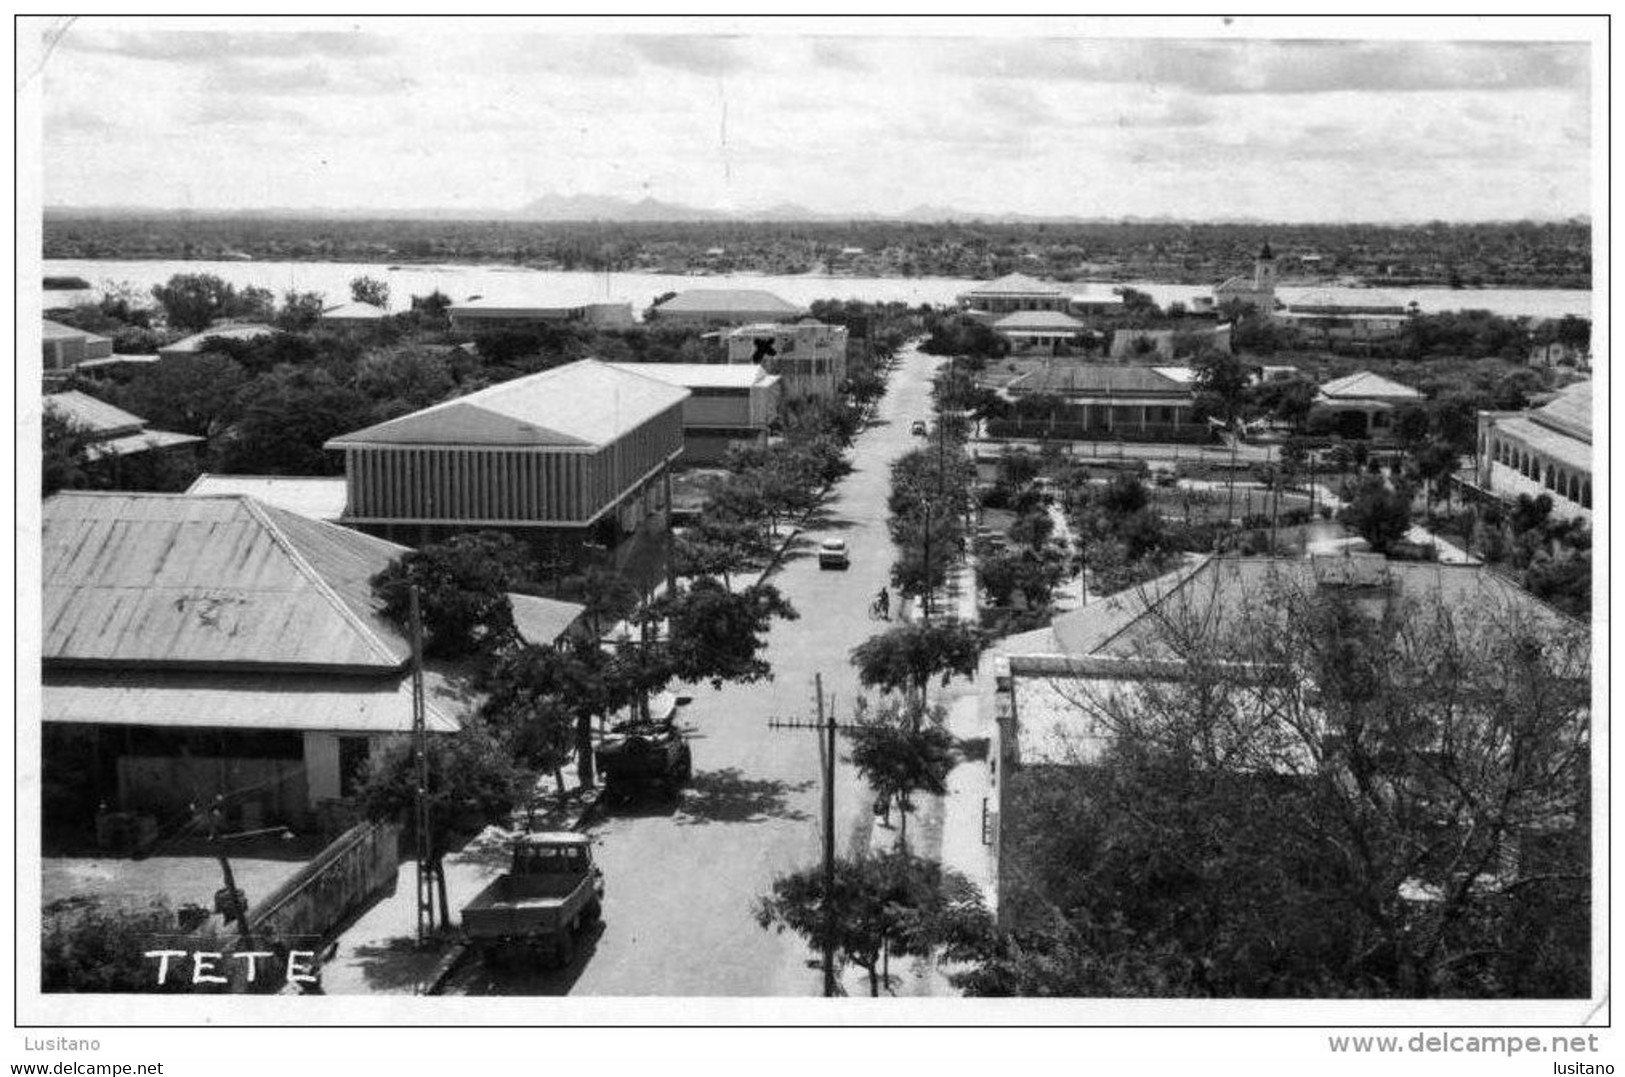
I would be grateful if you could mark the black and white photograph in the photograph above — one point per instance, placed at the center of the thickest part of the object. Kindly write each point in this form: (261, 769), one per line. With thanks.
(814, 521)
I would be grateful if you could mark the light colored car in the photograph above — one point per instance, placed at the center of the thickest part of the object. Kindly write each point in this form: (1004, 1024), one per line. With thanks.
(919, 428)
(832, 554)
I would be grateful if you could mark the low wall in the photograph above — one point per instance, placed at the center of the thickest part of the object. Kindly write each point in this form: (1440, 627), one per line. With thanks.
(338, 881)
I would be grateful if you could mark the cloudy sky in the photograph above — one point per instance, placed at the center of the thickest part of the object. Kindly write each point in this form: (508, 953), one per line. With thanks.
(452, 115)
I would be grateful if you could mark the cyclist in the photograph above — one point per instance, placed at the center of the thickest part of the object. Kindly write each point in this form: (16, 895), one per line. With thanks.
(882, 605)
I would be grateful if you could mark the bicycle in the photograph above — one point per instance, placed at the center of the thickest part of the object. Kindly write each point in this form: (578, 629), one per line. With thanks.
(879, 611)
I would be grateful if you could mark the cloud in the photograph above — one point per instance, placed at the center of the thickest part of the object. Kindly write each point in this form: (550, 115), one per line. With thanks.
(240, 113)
(314, 77)
(208, 47)
(837, 54)
(702, 55)
(1289, 67)
(1015, 104)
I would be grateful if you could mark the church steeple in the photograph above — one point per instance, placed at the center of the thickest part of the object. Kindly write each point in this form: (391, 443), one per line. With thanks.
(1264, 270)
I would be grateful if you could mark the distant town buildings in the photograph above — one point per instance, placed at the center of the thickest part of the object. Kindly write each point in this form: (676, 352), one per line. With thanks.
(710, 308)
(1362, 405)
(1340, 323)
(1037, 317)
(483, 313)
(567, 459)
(1257, 291)
(1543, 451)
(729, 404)
(810, 357)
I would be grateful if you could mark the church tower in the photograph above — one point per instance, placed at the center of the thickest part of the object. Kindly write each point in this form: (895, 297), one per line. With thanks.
(1264, 270)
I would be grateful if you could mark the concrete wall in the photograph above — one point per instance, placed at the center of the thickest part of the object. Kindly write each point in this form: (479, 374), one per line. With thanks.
(340, 880)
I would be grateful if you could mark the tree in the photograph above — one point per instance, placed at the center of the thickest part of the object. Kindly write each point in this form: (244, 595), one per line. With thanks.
(66, 459)
(463, 585)
(193, 301)
(716, 635)
(370, 290)
(1221, 383)
(1340, 795)
(408, 377)
(527, 707)
(193, 394)
(1379, 514)
(899, 754)
(474, 781)
(286, 417)
(908, 656)
(300, 311)
(891, 903)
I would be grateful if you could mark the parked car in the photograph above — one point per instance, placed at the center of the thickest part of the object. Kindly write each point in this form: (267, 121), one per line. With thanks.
(919, 428)
(642, 755)
(832, 554)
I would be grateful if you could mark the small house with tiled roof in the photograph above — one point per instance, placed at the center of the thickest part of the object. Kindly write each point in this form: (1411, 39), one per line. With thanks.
(1362, 405)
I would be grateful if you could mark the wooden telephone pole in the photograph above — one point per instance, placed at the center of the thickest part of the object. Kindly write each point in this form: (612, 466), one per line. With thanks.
(825, 726)
(420, 760)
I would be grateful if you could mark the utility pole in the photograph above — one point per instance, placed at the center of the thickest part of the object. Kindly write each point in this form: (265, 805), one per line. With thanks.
(825, 726)
(420, 758)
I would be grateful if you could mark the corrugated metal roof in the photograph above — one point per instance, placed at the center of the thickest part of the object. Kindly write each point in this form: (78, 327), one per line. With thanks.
(1016, 284)
(58, 331)
(730, 301)
(97, 416)
(239, 701)
(707, 375)
(141, 441)
(172, 579)
(1038, 319)
(319, 498)
(196, 342)
(1570, 412)
(1099, 380)
(586, 404)
(543, 620)
(355, 312)
(1543, 439)
(1366, 385)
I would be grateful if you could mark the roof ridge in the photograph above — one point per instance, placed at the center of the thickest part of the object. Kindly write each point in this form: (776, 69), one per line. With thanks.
(1150, 605)
(261, 513)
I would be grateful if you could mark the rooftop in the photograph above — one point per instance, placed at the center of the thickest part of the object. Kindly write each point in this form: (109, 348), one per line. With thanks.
(543, 620)
(1364, 385)
(1098, 379)
(58, 331)
(727, 301)
(585, 404)
(1570, 413)
(1033, 320)
(319, 498)
(197, 342)
(1014, 284)
(706, 375)
(355, 312)
(98, 417)
(165, 580)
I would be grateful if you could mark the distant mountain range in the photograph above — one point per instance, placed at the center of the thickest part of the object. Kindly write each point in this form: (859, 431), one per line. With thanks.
(589, 207)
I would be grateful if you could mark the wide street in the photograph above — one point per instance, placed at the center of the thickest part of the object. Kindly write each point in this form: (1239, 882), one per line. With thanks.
(682, 879)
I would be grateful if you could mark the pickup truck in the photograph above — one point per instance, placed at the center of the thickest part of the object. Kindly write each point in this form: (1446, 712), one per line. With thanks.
(551, 891)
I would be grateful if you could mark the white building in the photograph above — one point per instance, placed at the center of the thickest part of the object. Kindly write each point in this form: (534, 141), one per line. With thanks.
(1543, 451)
(728, 404)
(810, 357)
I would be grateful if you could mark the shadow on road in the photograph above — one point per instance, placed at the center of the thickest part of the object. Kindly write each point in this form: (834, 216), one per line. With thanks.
(726, 796)
(396, 963)
(520, 976)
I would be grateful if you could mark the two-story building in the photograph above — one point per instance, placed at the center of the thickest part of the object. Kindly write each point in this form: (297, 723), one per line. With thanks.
(1102, 400)
(809, 357)
(567, 459)
(729, 404)
(1341, 323)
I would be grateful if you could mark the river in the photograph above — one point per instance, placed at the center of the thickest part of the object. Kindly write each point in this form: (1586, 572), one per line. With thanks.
(520, 285)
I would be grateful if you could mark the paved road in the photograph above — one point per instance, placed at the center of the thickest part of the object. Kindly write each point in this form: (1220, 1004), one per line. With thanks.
(681, 879)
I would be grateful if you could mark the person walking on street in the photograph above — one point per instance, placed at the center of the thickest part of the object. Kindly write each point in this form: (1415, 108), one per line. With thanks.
(882, 605)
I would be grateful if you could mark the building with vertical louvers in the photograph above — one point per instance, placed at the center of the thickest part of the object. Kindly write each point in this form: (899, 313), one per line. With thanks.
(571, 457)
